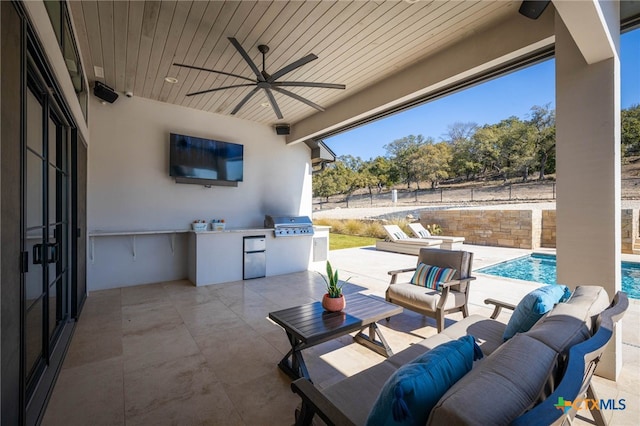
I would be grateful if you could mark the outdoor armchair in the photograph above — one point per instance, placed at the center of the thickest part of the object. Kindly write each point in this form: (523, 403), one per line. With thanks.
(453, 296)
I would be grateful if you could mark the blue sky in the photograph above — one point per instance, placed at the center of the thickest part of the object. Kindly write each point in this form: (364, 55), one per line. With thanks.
(490, 102)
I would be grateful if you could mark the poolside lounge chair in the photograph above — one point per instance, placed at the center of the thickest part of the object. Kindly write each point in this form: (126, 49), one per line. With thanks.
(399, 242)
(453, 295)
(448, 243)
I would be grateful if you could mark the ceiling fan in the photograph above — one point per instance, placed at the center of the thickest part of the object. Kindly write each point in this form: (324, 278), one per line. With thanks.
(267, 81)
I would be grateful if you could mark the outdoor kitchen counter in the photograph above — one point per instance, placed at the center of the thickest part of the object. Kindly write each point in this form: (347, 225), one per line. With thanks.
(216, 257)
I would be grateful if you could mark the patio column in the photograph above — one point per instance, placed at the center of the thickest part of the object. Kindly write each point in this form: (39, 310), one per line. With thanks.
(588, 152)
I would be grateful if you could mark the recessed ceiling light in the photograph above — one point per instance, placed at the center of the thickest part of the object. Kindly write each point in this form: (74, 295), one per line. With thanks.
(264, 104)
(171, 80)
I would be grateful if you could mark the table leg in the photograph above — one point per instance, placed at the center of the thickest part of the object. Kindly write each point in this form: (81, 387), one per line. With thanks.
(293, 363)
(380, 346)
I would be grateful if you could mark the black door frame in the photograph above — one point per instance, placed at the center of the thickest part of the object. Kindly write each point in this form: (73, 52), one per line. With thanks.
(15, 408)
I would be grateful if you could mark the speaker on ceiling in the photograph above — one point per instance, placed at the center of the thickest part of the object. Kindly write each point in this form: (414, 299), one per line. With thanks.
(105, 92)
(283, 129)
(533, 8)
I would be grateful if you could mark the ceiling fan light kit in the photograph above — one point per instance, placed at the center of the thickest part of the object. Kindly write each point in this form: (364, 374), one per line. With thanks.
(265, 81)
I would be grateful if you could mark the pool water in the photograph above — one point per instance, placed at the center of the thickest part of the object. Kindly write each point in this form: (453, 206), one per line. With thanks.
(541, 268)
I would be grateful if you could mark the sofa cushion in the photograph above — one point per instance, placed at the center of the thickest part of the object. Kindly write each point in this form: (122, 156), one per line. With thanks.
(432, 276)
(487, 332)
(422, 298)
(571, 322)
(411, 392)
(500, 388)
(407, 355)
(356, 394)
(533, 306)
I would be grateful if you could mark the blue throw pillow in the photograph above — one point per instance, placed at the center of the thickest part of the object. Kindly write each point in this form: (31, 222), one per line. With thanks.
(533, 306)
(414, 389)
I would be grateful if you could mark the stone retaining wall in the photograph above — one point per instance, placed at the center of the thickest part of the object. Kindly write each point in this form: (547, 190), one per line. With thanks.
(501, 228)
(630, 231)
(548, 229)
(527, 229)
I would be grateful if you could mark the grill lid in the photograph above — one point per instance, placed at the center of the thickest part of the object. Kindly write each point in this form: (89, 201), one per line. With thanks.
(289, 226)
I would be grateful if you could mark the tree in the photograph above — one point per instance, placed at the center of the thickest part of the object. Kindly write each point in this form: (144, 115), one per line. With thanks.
(517, 150)
(630, 125)
(488, 146)
(400, 151)
(460, 131)
(432, 163)
(465, 156)
(385, 172)
(542, 123)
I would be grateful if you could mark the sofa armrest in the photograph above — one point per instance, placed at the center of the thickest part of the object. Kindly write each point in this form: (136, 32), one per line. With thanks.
(314, 402)
(498, 306)
(394, 274)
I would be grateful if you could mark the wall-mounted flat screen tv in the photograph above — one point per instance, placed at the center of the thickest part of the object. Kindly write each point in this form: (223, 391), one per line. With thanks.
(198, 160)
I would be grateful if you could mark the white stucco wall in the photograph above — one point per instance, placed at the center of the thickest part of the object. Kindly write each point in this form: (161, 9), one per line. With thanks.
(129, 187)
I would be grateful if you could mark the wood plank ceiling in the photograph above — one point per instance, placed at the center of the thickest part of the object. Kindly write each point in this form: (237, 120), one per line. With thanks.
(358, 43)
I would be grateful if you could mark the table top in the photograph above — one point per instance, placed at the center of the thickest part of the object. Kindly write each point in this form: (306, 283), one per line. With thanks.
(311, 324)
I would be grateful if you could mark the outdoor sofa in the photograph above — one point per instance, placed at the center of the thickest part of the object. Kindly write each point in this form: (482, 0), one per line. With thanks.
(520, 381)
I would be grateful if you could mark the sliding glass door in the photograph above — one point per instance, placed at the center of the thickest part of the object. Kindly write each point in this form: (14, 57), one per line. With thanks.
(45, 217)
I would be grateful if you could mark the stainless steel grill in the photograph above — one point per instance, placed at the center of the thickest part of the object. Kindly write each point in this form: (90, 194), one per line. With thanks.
(289, 226)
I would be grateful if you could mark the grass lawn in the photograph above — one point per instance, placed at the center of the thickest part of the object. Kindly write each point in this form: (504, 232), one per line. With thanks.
(340, 241)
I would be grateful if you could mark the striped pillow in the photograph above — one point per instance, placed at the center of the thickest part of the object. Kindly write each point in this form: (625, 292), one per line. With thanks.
(424, 233)
(432, 276)
(400, 235)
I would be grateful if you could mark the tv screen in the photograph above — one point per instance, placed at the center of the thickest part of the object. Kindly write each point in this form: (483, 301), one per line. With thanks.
(206, 159)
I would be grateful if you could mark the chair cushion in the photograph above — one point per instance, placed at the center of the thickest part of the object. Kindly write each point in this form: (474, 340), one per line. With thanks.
(414, 389)
(533, 306)
(499, 388)
(420, 298)
(432, 276)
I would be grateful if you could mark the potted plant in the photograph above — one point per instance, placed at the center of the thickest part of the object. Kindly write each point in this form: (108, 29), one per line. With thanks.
(333, 300)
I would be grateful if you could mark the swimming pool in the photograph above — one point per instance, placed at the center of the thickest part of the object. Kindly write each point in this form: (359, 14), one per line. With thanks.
(541, 268)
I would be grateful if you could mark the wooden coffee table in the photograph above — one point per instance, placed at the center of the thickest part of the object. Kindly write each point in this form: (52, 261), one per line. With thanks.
(309, 325)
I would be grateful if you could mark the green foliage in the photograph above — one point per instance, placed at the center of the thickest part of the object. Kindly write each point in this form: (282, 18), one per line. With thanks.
(434, 229)
(402, 154)
(363, 228)
(339, 241)
(334, 288)
(508, 149)
(630, 120)
(431, 163)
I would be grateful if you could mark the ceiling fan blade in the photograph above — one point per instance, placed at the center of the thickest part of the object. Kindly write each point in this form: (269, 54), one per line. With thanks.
(219, 88)
(309, 84)
(299, 98)
(274, 104)
(246, 57)
(218, 72)
(244, 101)
(292, 66)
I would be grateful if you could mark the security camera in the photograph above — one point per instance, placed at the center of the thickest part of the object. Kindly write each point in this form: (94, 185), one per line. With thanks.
(128, 94)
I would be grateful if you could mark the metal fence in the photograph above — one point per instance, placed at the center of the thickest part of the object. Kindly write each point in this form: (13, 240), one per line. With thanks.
(519, 192)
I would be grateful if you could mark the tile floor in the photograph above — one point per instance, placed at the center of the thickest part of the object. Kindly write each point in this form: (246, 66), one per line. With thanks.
(175, 354)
